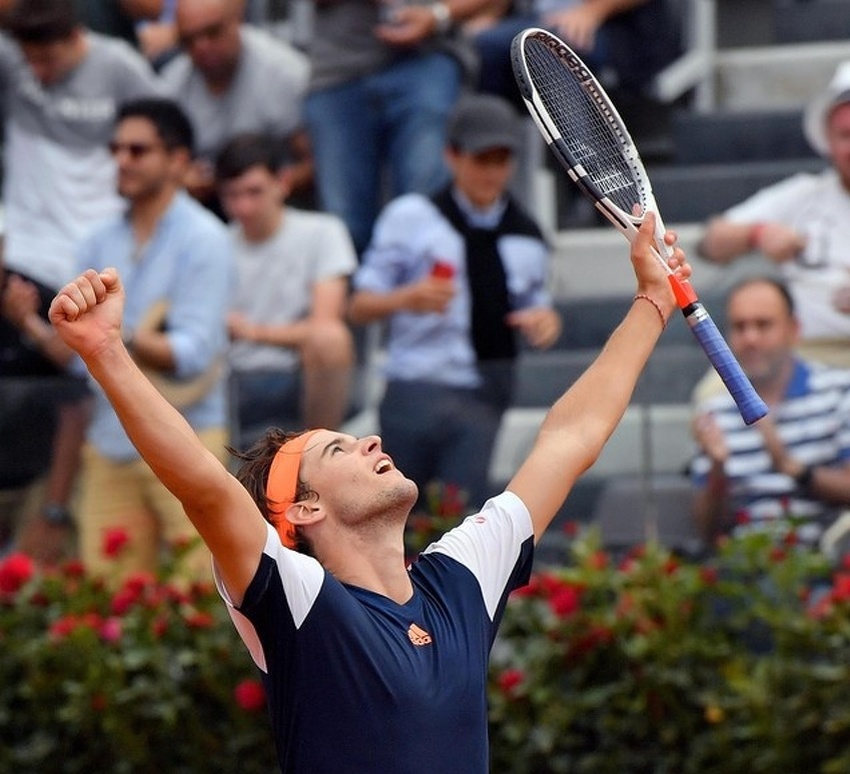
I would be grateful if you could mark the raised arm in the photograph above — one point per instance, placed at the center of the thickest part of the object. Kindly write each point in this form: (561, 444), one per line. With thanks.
(87, 315)
(583, 419)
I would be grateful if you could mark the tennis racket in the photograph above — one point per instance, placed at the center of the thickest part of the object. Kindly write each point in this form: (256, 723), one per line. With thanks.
(585, 131)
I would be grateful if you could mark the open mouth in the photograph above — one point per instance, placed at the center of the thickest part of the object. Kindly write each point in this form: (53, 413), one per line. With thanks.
(384, 466)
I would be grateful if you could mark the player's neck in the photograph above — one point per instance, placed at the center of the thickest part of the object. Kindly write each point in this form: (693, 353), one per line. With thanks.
(377, 565)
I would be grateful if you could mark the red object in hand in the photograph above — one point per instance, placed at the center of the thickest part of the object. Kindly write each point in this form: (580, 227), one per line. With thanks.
(442, 270)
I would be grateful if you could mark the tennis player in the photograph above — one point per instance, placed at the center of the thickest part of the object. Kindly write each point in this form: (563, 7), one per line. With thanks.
(369, 665)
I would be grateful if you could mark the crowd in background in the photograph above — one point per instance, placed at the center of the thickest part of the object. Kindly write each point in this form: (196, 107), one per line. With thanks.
(269, 180)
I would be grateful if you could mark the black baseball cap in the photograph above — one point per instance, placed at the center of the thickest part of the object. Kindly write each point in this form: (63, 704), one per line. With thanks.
(482, 122)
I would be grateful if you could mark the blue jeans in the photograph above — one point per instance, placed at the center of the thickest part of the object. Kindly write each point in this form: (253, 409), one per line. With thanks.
(439, 433)
(395, 117)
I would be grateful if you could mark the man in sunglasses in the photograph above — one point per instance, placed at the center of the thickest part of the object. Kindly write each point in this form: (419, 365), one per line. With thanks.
(176, 259)
(60, 86)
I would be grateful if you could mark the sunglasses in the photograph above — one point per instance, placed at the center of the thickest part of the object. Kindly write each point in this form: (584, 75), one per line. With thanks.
(135, 150)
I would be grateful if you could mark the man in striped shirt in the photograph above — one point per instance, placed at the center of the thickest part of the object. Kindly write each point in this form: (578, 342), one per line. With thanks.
(792, 468)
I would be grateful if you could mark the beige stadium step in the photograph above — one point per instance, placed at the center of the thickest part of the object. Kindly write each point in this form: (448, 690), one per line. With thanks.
(592, 263)
(775, 77)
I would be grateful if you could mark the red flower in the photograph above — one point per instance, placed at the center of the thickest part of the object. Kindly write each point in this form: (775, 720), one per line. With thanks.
(250, 695)
(123, 600)
(571, 528)
(63, 626)
(709, 575)
(199, 620)
(778, 554)
(159, 627)
(565, 601)
(509, 680)
(114, 541)
(15, 571)
(841, 587)
(598, 560)
(111, 630)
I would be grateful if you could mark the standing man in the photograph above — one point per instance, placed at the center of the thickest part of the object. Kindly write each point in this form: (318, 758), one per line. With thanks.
(60, 88)
(384, 78)
(176, 259)
(291, 351)
(370, 665)
(232, 78)
(457, 276)
(795, 463)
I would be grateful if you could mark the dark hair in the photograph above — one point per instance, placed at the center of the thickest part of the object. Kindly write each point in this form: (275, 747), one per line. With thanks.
(172, 124)
(41, 21)
(253, 474)
(245, 151)
(766, 279)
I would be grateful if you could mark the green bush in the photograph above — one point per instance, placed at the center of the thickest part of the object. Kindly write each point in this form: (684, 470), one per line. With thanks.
(655, 664)
(646, 664)
(146, 677)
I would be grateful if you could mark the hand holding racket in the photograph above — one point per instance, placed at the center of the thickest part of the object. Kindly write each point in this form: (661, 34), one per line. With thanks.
(585, 131)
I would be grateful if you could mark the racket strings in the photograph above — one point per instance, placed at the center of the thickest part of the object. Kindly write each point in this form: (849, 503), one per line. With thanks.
(592, 138)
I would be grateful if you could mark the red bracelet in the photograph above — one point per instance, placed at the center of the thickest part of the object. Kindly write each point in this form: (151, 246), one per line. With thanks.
(755, 235)
(656, 305)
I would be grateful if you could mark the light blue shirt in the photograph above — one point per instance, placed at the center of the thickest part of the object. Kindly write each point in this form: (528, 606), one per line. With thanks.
(189, 264)
(409, 237)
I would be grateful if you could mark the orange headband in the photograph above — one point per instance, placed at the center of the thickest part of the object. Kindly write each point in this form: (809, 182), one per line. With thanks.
(282, 484)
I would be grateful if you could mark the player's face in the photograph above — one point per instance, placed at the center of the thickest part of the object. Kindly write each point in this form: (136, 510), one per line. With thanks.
(482, 177)
(356, 481)
(838, 136)
(762, 332)
(253, 200)
(144, 165)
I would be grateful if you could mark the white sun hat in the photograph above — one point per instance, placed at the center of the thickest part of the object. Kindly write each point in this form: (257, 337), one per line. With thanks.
(818, 110)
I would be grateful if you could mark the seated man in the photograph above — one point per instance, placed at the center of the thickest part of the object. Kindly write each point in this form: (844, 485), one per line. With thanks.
(795, 463)
(291, 353)
(456, 276)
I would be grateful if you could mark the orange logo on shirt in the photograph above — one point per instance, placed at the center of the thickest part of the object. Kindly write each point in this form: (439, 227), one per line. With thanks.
(418, 636)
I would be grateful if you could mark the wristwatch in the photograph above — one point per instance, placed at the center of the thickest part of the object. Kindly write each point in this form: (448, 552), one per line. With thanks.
(57, 515)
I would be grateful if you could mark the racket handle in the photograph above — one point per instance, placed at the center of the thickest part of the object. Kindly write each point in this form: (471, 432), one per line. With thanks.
(751, 406)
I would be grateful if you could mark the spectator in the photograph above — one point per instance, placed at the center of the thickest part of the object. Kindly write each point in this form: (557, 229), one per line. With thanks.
(802, 225)
(233, 78)
(384, 78)
(370, 665)
(43, 418)
(456, 275)
(170, 250)
(118, 18)
(291, 351)
(61, 85)
(796, 461)
(609, 35)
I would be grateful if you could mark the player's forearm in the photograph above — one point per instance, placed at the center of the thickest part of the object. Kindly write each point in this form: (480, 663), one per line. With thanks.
(595, 404)
(160, 433)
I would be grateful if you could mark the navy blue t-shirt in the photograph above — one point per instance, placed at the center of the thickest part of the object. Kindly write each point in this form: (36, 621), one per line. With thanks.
(359, 683)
